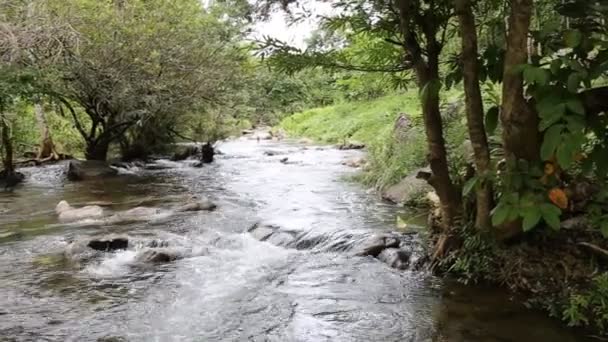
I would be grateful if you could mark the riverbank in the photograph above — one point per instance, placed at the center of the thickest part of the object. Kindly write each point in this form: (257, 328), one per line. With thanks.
(562, 273)
(390, 127)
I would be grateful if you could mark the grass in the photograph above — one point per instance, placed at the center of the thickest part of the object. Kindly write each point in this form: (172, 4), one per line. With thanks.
(357, 121)
(373, 123)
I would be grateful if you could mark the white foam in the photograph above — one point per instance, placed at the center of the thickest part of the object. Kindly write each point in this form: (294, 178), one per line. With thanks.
(112, 265)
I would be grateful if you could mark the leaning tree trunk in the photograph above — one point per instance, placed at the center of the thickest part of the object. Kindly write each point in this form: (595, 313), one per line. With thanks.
(439, 179)
(7, 162)
(519, 121)
(47, 147)
(474, 108)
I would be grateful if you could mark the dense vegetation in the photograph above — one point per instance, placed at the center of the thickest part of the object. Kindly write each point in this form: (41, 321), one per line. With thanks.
(101, 79)
(533, 194)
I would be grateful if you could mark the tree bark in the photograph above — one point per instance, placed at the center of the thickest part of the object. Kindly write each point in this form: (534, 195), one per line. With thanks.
(97, 150)
(7, 162)
(427, 74)
(475, 113)
(519, 121)
(47, 147)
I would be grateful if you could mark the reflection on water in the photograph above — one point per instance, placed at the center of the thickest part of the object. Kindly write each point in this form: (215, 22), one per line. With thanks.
(231, 287)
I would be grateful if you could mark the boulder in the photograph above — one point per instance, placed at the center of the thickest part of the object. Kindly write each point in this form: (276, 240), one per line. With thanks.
(352, 145)
(284, 160)
(8, 181)
(67, 213)
(159, 255)
(395, 258)
(408, 190)
(262, 231)
(354, 162)
(157, 243)
(137, 214)
(184, 152)
(306, 141)
(79, 170)
(207, 153)
(375, 244)
(109, 243)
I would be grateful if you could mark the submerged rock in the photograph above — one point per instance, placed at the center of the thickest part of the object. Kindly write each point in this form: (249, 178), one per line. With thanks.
(137, 214)
(197, 205)
(79, 170)
(67, 213)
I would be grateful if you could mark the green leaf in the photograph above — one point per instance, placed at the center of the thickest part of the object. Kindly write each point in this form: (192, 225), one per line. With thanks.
(555, 66)
(552, 117)
(531, 218)
(576, 106)
(573, 82)
(500, 214)
(491, 120)
(551, 215)
(604, 228)
(552, 139)
(573, 38)
(469, 185)
(565, 155)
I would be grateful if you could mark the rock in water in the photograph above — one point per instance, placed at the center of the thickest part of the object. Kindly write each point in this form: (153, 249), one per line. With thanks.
(408, 190)
(207, 153)
(109, 243)
(395, 258)
(67, 213)
(354, 162)
(351, 146)
(137, 214)
(8, 181)
(79, 170)
(374, 245)
(159, 255)
(202, 204)
(262, 231)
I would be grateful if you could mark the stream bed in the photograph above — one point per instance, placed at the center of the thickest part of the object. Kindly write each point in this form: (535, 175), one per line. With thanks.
(230, 286)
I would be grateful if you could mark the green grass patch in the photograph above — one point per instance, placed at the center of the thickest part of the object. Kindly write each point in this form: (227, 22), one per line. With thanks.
(373, 123)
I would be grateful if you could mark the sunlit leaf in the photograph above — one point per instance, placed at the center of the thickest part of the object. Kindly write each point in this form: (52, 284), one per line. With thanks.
(559, 198)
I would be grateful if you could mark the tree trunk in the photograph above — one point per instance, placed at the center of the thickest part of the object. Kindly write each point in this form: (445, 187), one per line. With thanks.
(475, 113)
(7, 162)
(427, 74)
(97, 150)
(519, 121)
(440, 180)
(47, 147)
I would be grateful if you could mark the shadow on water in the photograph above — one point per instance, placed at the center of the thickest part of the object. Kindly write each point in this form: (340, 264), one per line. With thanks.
(229, 286)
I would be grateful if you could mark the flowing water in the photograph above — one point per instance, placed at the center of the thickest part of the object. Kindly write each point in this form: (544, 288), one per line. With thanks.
(231, 287)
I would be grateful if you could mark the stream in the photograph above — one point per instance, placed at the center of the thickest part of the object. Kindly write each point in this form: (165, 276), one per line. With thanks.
(230, 286)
